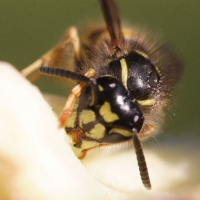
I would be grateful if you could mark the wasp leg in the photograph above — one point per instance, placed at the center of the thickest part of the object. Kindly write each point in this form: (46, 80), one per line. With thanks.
(83, 153)
(54, 56)
(75, 93)
(31, 68)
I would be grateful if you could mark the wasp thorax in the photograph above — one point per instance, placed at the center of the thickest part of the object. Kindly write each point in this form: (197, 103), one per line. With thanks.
(143, 79)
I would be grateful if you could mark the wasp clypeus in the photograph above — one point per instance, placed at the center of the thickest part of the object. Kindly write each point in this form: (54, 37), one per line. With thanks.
(124, 77)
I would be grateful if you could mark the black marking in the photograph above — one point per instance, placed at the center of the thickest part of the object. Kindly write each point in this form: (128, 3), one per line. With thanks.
(114, 138)
(143, 78)
(114, 69)
(89, 126)
(78, 144)
(68, 129)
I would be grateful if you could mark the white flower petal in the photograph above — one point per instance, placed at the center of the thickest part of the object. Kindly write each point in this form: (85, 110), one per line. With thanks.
(35, 159)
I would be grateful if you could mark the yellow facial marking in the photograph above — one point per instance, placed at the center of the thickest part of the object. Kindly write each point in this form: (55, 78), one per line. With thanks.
(97, 132)
(148, 102)
(120, 131)
(107, 114)
(86, 117)
(124, 74)
(100, 88)
(71, 120)
(93, 97)
(88, 144)
(141, 53)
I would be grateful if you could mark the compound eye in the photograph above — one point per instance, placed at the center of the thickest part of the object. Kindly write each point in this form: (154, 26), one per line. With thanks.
(107, 83)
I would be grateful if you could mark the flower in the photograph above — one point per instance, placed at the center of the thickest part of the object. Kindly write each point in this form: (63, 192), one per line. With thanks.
(36, 162)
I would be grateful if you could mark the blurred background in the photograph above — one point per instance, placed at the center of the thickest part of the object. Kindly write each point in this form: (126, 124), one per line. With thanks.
(30, 28)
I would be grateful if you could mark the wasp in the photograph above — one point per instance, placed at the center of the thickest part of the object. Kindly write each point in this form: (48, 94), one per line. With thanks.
(123, 79)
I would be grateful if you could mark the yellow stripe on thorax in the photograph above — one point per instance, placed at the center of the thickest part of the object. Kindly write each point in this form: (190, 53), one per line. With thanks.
(147, 102)
(124, 73)
(141, 53)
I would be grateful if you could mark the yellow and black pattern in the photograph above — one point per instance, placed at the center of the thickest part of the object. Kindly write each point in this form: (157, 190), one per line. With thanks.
(111, 119)
(131, 81)
(124, 100)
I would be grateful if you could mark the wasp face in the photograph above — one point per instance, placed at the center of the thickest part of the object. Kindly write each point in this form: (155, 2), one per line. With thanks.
(115, 109)
(122, 103)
